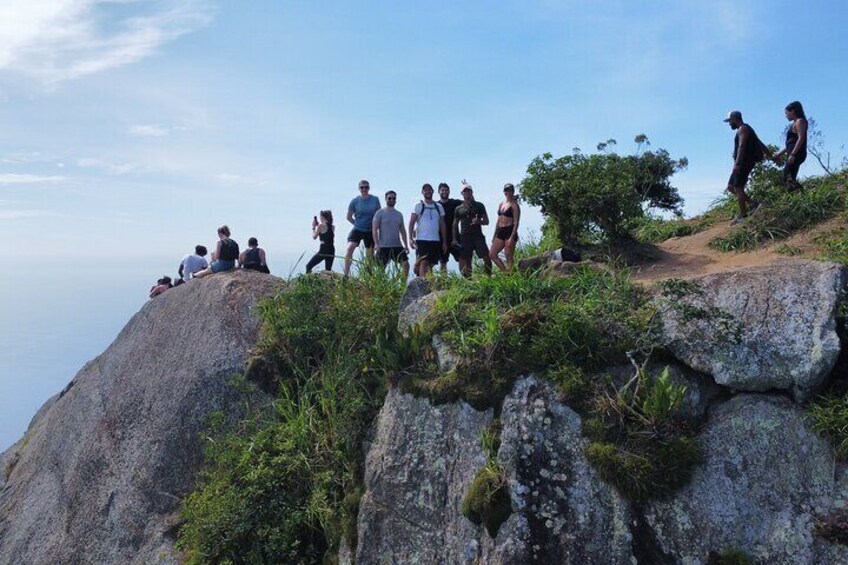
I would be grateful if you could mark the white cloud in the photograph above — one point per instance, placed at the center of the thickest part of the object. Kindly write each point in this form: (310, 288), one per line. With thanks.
(113, 168)
(149, 130)
(57, 40)
(16, 178)
(21, 214)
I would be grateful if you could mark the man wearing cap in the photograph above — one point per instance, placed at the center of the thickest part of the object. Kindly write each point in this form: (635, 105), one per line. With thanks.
(748, 150)
(449, 206)
(360, 213)
(468, 220)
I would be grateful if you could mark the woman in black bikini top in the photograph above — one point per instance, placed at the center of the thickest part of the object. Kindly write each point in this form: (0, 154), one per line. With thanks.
(506, 231)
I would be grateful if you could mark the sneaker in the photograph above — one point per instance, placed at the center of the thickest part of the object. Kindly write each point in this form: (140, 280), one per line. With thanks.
(737, 220)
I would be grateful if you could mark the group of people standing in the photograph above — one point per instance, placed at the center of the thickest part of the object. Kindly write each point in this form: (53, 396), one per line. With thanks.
(437, 230)
(748, 150)
(226, 257)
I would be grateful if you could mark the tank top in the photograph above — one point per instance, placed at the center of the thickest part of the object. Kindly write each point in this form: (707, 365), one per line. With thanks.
(792, 138)
(251, 257)
(327, 237)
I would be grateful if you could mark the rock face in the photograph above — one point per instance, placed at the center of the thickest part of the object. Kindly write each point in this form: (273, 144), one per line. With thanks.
(765, 476)
(786, 315)
(100, 474)
(424, 458)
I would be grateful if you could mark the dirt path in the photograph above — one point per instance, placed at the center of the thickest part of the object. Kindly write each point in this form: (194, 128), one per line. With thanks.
(690, 256)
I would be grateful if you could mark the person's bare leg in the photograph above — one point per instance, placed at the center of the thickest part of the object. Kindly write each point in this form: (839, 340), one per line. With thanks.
(351, 247)
(405, 270)
(497, 247)
(487, 265)
(205, 272)
(465, 268)
(509, 253)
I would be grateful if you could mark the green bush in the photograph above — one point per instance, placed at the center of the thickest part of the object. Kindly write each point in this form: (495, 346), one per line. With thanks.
(285, 486)
(598, 195)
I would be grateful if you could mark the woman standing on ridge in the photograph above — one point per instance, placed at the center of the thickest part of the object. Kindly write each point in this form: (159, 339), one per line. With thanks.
(796, 145)
(225, 255)
(506, 230)
(325, 232)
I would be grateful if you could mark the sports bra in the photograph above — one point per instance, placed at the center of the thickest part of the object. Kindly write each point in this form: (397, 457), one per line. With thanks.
(507, 213)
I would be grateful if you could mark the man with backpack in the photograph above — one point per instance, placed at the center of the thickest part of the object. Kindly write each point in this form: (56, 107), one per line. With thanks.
(748, 150)
(427, 231)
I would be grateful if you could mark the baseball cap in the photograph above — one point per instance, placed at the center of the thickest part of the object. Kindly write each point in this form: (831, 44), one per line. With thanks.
(509, 186)
(735, 114)
(466, 187)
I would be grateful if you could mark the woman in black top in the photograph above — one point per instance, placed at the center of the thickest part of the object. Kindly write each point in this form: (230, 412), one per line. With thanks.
(506, 231)
(796, 144)
(324, 231)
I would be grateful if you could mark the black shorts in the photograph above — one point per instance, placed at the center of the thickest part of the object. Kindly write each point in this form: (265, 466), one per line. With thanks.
(452, 250)
(505, 233)
(396, 254)
(429, 250)
(355, 236)
(740, 179)
(473, 243)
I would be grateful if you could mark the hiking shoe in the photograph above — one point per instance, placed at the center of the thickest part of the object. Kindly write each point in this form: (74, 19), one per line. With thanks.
(737, 220)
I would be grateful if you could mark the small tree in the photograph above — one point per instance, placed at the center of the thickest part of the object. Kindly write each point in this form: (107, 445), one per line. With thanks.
(599, 194)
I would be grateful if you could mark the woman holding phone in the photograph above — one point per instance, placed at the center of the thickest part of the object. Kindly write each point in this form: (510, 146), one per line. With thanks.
(324, 231)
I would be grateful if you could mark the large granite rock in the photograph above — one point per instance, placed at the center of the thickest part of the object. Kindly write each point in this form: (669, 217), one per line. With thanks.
(101, 471)
(766, 478)
(424, 457)
(786, 317)
(562, 511)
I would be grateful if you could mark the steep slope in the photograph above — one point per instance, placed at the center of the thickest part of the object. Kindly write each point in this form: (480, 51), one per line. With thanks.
(100, 474)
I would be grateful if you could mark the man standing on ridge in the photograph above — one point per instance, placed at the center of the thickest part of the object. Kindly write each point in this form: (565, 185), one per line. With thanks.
(427, 231)
(360, 213)
(748, 150)
(390, 235)
(468, 220)
(449, 206)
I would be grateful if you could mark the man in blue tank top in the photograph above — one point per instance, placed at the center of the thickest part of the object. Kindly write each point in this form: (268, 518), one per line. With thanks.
(360, 213)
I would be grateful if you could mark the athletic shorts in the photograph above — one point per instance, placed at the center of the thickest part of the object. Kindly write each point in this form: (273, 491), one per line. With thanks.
(396, 254)
(356, 236)
(505, 233)
(429, 250)
(473, 243)
(740, 179)
(452, 250)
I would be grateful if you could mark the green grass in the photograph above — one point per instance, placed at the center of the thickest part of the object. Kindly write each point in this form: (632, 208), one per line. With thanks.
(284, 487)
(830, 418)
(833, 244)
(783, 213)
(652, 229)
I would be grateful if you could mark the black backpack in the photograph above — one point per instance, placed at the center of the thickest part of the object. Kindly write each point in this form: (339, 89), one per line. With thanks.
(229, 250)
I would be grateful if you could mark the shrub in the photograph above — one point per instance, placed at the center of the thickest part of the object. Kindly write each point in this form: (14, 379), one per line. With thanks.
(285, 486)
(587, 196)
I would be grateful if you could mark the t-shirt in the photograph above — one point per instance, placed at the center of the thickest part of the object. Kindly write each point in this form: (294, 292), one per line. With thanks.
(388, 221)
(450, 207)
(192, 263)
(467, 212)
(363, 211)
(428, 221)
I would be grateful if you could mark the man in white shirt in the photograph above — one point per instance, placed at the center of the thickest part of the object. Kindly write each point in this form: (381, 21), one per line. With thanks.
(427, 231)
(193, 263)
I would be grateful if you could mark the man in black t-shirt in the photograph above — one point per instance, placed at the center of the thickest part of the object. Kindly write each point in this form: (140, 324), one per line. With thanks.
(449, 206)
(748, 150)
(469, 217)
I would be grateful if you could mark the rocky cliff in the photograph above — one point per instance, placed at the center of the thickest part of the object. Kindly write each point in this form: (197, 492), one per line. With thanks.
(102, 469)
(100, 474)
(764, 481)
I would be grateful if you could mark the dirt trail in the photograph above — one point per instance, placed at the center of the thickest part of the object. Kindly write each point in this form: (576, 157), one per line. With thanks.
(690, 256)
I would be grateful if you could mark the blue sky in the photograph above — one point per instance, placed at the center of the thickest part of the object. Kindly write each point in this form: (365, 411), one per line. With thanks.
(137, 127)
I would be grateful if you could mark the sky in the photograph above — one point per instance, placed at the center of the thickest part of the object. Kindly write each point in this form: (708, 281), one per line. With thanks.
(130, 129)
